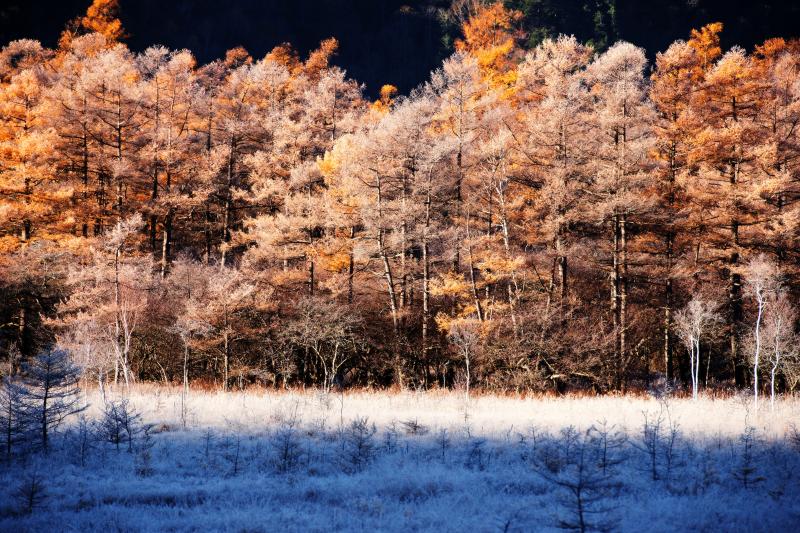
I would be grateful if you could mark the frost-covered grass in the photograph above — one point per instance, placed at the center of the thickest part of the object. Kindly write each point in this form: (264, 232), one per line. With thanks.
(362, 461)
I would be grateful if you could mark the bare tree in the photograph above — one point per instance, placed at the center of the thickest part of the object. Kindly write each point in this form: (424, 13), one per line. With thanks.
(761, 281)
(781, 340)
(692, 323)
(465, 334)
(328, 331)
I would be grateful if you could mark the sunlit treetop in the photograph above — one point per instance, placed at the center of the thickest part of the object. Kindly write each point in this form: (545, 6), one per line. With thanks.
(101, 17)
(384, 104)
(491, 35)
(284, 54)
(319, 59)
(705, 42)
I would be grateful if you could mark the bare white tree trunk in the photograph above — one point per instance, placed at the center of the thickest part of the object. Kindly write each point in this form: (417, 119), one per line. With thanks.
(694, 364)
(775, 362)
(761, 303)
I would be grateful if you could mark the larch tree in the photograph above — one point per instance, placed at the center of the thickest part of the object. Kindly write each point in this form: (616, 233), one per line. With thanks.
(30, 189)
(677, 76)
(550, 139)
(725, 152)
(170, 96)
(620, 172)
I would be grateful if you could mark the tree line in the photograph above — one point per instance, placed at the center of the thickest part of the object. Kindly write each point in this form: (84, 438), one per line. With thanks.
(528, 219)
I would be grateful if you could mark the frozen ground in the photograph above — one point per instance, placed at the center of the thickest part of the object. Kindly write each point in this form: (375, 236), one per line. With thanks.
(310, 462)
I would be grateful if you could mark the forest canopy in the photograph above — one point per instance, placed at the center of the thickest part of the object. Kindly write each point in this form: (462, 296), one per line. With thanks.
(546, 211)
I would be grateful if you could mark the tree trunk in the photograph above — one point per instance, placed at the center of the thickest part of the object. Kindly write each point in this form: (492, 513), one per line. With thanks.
(668, 370)
(623, 300)
(207, 231)
(117, 311)
(472, 282)
(616, 290)
(351, 266)
(22, 337)
(426, 272)
(225, 353)
(735, 314)
(227, 214)
(166, 243)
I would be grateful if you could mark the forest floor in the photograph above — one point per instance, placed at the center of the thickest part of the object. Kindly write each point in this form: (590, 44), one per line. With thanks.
(370, 461)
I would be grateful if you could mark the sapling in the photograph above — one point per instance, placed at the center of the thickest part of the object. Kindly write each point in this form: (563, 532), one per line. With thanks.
(747, 470)
(670, 444)
(13, 419)
(390, 437)
(83, 436)
(413, 427)
(358, 446)
(144, 454)
(51, 392)
(443, 442)
(465, 333)
(31, 492)
(286, 445)
(587, 491)
(608, 442)
(650, 440)
(793, 436)
(475, 456)
(233, 445)
(120, 423)
(208, 437)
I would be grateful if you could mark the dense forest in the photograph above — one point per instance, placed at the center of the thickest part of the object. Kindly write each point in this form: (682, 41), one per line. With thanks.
(545, 212)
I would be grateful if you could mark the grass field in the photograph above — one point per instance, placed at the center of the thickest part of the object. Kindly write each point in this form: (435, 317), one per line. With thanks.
(366, 461)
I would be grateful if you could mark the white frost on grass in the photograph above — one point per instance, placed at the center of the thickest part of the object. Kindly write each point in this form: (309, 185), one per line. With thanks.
(267, 461)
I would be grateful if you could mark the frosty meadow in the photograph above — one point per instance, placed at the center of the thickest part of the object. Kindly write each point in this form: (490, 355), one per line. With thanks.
(370, 461)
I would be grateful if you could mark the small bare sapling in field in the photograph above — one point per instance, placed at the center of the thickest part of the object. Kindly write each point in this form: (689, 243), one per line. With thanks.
(477, 455)
(83, 438)
(658, 441)
(413, 427)
(233, 449)
(442, 443)
(144, 452)
(358, 446)
(793, 436)
(746, 471)
(30, 493)
(390, 437)
(586, 490)
(286, 445)
(120, 423)
(608, 443)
